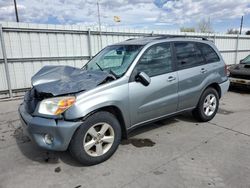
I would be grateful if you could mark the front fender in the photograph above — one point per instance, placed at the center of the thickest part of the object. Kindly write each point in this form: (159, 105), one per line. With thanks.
(90, 102)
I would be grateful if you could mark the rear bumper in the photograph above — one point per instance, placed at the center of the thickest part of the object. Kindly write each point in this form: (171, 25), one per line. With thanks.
(36, 127)
(239, 81)
(224, 86)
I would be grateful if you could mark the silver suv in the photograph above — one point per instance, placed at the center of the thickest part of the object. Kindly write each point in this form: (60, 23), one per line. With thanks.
(124, 86)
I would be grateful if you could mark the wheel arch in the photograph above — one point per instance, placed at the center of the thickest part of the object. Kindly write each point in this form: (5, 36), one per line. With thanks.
(117, 113)
(216, 87)
(212, 85)
(197, 110)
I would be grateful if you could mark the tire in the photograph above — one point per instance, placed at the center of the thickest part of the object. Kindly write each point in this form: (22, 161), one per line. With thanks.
(205, 111)
(90, 137)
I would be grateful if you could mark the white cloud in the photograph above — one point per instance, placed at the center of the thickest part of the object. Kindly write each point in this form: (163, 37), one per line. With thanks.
(7, 10)
(185, 11)
(133, 13)
(245, 29)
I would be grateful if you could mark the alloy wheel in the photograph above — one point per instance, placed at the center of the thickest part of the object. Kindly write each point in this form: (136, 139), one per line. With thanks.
(209, 105)
(98, 139)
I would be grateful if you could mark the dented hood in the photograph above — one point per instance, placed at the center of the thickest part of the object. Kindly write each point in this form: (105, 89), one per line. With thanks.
(60, 80)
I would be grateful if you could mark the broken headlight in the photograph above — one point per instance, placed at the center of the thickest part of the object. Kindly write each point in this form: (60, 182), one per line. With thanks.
(56, 106)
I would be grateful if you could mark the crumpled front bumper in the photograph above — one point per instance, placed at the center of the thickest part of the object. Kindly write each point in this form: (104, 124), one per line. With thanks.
(36, 128)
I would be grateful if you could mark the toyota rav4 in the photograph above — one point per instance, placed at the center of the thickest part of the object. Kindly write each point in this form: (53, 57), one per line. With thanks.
(126, 85)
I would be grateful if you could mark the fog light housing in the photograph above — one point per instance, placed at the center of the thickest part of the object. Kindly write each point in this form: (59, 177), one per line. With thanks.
(48, 139)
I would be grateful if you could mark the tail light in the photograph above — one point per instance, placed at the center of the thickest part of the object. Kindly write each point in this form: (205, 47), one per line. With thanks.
(226, 69)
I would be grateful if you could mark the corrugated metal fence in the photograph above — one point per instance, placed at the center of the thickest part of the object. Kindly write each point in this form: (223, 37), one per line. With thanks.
(25, 48)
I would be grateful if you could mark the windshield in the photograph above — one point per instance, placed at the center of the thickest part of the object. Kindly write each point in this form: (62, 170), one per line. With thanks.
(114, 59)
(246, 60)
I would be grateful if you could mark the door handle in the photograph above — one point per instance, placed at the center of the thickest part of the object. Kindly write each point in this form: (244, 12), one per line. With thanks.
(171, 78)
(203, 70)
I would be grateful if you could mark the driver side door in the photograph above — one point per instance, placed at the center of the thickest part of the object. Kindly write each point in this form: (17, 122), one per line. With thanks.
(160, 97)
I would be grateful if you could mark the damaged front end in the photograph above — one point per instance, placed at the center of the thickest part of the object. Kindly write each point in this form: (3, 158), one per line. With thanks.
(57, 81)
(62, 80)
(53, 92)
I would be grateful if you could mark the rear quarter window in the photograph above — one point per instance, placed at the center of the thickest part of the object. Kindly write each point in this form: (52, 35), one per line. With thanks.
(209, 54)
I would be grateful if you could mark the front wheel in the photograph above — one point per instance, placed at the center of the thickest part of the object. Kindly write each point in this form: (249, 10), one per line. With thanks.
(96, 139)
(207, 106)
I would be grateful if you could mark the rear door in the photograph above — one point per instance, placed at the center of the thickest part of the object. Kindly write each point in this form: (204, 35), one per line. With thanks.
(215, 67)
(191, 72)
(160, 97)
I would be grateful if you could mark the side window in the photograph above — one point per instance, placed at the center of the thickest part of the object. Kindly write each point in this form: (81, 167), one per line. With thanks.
(188, 55)
(156, 60)
(209, 53)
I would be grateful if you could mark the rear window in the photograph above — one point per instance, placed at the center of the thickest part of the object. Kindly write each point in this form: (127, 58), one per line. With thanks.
(188, 55)
(209, 54)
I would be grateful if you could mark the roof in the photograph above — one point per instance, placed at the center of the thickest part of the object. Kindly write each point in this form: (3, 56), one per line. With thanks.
(148, 39)
(138, 41)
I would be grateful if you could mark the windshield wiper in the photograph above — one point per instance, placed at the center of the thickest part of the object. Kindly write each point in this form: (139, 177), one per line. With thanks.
(112, 72)
(99, 66)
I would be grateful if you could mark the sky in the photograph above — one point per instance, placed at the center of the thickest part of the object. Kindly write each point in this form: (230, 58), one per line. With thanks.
(139, 14)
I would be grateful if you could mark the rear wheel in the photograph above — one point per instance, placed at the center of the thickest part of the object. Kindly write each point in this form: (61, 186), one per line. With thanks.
(207, 106)
(96, 139)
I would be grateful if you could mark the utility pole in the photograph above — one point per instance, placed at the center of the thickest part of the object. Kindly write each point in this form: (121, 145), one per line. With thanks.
(99, 17)
(99, 21)
(17, 19)
(241, 23)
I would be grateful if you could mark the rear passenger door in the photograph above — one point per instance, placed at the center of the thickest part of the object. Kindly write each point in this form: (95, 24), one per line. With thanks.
(160, 97)
(191, 72)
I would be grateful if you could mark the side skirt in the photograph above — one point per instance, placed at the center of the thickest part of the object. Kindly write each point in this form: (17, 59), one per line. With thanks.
(131, 128)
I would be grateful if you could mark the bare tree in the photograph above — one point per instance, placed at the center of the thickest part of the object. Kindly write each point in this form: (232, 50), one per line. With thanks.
(205, 26)
(233, 31)
(187, 29)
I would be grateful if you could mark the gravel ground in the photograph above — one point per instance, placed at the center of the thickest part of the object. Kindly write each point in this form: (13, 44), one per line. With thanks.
(176, 152)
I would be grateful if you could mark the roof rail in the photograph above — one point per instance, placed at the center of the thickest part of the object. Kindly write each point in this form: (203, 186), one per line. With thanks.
(167, 36)
(162, 36)
(130, 39)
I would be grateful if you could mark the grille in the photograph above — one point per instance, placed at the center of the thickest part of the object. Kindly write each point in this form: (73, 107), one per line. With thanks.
(32, 98)
(30, 101)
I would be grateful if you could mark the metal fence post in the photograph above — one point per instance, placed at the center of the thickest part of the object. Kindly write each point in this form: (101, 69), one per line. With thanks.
(7, 73)
(89, 43)
(237, 49)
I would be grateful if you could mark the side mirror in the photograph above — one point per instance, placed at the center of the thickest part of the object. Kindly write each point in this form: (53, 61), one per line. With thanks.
(241, 61)
(143, 78)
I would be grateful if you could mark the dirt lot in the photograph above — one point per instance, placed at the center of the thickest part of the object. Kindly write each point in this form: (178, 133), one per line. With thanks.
(177, 152)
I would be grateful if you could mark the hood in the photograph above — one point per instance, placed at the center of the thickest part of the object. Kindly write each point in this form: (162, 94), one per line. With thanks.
(60, 80)
(240, 70)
